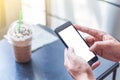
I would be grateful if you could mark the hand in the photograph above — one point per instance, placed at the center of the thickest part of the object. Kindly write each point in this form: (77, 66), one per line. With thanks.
(77, 67)
(102, 43)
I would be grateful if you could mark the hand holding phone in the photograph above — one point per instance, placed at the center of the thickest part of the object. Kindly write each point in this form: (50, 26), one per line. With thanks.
(72, 38)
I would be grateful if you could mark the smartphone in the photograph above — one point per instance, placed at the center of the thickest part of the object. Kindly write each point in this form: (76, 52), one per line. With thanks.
(72, 38)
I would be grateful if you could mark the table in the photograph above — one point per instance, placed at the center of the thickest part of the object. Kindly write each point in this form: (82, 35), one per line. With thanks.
(47, 63)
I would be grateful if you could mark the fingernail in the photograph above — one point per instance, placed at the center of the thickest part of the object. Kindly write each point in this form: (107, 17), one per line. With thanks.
(91, 49)
(65, 49)
(70, 50)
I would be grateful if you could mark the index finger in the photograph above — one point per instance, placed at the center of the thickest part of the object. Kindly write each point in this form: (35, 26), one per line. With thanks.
(66, 61)
(93, 32)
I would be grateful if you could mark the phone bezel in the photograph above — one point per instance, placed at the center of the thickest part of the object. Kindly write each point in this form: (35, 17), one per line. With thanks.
(67, 24)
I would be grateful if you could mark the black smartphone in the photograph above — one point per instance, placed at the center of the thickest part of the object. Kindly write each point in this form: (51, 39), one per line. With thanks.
(72, 38)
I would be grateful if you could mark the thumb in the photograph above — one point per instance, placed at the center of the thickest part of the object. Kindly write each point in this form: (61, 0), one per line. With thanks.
(98, 47)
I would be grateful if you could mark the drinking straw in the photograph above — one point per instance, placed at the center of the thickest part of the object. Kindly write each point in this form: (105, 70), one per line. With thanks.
(20, 20)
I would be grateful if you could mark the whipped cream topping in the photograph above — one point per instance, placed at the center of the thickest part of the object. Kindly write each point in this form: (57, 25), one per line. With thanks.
(24, 33)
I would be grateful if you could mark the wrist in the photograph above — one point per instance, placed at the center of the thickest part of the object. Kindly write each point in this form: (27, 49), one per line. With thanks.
(88, 75)
(85, 76)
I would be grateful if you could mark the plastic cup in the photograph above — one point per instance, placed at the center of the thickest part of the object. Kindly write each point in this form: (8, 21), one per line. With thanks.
(21, 41)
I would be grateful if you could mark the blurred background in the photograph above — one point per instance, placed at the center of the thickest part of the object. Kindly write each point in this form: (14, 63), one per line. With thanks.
(98, 14)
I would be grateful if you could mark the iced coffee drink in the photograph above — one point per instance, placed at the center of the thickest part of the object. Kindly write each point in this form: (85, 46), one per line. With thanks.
(21, 40)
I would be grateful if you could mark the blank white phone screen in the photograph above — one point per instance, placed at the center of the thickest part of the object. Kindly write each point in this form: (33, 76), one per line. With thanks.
(73, 39)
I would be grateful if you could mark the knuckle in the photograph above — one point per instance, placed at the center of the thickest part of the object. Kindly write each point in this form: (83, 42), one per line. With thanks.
(97, 44)
(102, 34)
(73, 59)
(70, 68)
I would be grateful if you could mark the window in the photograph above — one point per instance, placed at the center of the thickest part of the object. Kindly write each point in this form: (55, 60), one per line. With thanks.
(77, 11)
(34, 11)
